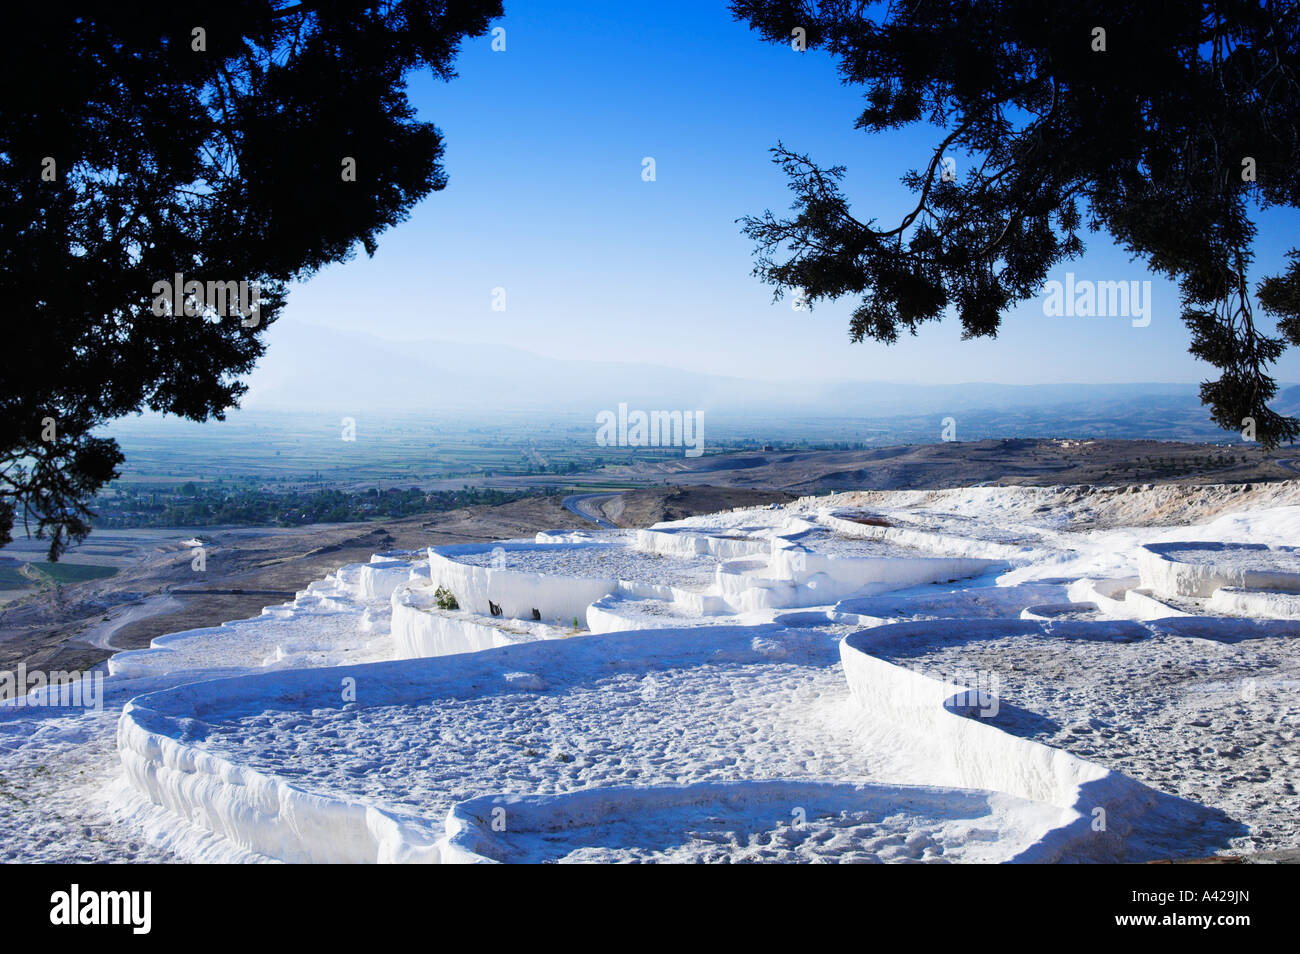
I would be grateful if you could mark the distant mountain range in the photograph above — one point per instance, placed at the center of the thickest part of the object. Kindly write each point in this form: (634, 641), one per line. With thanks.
(347, 372)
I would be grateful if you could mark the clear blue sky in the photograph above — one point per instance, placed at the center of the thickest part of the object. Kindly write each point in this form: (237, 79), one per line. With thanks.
(544, 150)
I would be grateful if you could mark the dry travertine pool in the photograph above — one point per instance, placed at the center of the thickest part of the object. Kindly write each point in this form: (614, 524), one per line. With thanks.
(727, 719)
(769, 822)
(1212, 721)
(596, 562)
(1235, 557)
(766, 704)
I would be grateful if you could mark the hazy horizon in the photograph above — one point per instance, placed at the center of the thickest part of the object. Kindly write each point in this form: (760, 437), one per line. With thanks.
(546, 200)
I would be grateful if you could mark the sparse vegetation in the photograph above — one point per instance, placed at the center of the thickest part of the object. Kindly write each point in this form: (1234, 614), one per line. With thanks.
(445, 599)
(61, 573)
(248, 505)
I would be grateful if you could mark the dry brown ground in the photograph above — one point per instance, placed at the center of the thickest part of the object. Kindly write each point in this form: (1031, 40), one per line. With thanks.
(641, 508)
(246, 569)
(1034, 462)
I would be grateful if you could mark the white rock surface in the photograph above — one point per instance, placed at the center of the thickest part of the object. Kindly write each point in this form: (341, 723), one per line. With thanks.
(723, 672)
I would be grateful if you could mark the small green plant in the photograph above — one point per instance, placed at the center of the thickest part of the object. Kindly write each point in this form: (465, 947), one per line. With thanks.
(445, 599)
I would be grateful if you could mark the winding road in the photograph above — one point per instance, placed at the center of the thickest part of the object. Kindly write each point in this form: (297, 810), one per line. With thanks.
(573, 503)
(101, 633)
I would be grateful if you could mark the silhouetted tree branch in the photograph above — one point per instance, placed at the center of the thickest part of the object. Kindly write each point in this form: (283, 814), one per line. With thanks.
(129, 155)
(1149, 135)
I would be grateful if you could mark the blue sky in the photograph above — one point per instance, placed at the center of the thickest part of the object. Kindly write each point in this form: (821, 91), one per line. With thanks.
(544, 152)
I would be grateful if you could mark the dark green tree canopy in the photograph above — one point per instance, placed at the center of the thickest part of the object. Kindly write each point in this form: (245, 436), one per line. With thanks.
(1167, 130)
(141, 140)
